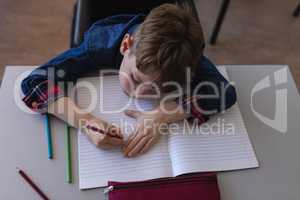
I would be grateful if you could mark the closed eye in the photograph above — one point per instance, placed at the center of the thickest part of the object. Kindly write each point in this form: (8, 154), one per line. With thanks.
(134, 79)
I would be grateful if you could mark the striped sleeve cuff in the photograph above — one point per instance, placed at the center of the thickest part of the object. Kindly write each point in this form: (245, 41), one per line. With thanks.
(41, 95)
(189, 104)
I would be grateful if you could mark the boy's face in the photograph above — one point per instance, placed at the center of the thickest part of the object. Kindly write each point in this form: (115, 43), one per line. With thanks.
(134, 82)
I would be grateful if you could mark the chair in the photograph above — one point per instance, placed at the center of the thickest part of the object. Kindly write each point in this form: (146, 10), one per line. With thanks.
(86, 12)
(219, 22)
(297, 11)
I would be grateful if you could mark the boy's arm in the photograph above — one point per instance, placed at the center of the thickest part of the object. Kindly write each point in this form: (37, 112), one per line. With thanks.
(45, 84)
(150, 125)
(211, 93)
(42, 86)
(65, 109)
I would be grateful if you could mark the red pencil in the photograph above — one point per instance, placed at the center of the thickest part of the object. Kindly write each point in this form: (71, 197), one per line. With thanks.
(100, 131)
(93, 128)
(32, 184)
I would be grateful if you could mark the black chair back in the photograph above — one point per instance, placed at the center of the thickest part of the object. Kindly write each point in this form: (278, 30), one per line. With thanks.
(86, 12)
(99, 10)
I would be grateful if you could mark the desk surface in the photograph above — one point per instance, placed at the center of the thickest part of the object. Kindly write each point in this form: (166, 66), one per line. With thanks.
(22, 144)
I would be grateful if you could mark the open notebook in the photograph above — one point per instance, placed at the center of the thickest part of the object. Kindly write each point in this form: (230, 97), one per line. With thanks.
(217, 148)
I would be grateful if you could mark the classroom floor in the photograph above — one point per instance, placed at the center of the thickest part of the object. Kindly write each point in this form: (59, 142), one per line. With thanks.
(254, 32)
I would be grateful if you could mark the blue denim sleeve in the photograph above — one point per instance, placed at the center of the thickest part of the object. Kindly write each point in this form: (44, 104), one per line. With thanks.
(42, 82)
(99, 49)
(209, 81)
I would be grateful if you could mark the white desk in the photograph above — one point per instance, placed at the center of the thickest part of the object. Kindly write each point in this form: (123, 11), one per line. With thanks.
(276, 179)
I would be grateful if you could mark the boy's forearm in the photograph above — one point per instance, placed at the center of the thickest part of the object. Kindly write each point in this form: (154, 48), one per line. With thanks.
(65, 109)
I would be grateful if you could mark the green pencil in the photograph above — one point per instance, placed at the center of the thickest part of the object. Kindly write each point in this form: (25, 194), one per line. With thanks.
(68, 154)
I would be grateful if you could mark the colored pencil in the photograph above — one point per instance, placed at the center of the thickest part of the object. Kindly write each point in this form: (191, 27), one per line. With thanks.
(68, 154)
(48, 136)
(100, 131)
(93, 128)
(32, 184)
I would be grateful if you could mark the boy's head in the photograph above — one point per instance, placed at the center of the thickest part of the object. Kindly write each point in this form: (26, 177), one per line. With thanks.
(169, 41)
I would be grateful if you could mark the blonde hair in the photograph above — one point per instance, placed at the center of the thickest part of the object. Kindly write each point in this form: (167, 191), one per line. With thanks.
(168, 41)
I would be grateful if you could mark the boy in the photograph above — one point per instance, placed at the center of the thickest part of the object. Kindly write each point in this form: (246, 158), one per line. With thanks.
(158, 49)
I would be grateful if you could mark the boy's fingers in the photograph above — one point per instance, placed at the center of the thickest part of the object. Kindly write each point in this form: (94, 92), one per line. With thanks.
(114, 141)
(101, 140)
(138, 143)
(132, 143)
(131, 137)
(95, 135)
(147, 146)
(109, 142)
(136, 136)
(138, 147)
(132, 113)
(115, 131)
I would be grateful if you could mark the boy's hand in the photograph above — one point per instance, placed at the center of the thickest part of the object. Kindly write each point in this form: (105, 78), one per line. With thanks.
(147, 131)
(150, 125)
(103, 134)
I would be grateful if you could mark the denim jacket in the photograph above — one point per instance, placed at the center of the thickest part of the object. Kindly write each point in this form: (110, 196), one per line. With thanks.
(99, 49)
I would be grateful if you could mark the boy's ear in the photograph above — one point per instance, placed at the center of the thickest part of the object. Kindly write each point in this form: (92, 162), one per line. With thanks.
(126, 43)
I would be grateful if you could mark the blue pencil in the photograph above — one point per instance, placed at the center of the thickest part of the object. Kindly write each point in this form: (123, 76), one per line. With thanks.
(48, 136)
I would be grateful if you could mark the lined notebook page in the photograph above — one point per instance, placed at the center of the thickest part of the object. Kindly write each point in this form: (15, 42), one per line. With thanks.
(219, 145)
(219, 149)
(96, 166)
